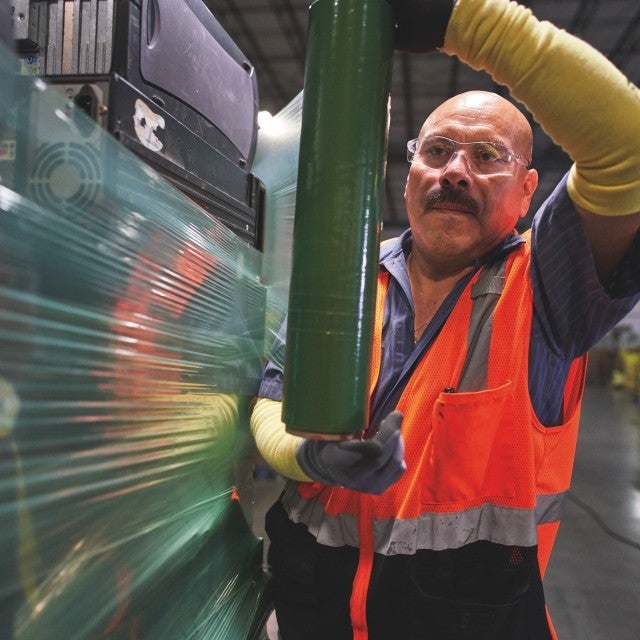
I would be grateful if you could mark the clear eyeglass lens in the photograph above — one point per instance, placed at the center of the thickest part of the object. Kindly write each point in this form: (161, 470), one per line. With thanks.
(483, 157)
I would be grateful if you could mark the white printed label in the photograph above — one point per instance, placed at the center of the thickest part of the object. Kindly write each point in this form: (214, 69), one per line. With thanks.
(145, 123)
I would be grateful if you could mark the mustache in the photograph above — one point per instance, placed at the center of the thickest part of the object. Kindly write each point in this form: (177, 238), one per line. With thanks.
(452, 196)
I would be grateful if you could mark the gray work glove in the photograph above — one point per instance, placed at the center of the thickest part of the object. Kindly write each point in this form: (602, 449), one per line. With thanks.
(420, 24)
(370, 466)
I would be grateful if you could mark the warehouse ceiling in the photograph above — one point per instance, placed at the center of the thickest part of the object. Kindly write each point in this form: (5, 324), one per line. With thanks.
(272, 34)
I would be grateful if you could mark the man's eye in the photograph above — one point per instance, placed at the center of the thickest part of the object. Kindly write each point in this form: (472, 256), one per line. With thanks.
(487, 153)
(438, 150)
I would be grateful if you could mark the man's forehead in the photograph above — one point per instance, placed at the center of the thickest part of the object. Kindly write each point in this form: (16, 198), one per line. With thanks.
(474, 116)
(463, 128)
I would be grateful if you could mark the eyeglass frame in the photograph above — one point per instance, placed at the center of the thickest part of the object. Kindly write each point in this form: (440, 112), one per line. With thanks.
(511, 155)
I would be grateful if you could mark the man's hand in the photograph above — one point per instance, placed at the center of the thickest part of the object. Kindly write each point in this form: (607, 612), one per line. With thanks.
(420, 24)
(370, 466)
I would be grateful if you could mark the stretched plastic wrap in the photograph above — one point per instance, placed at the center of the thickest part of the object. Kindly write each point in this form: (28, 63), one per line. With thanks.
(338, 214)
(276, 164)
(131, 336)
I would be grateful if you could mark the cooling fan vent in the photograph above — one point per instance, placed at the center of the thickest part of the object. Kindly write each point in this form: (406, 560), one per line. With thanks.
(66, 175)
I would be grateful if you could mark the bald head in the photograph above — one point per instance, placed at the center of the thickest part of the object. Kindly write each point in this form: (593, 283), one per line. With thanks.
(483, 115)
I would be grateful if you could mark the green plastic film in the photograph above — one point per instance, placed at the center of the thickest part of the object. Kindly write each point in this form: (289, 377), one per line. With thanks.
(131, 336)
(276, 164)
(337, 219)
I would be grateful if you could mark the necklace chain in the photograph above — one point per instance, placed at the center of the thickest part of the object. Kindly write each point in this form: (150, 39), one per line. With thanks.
(419, 330)
(434, 303)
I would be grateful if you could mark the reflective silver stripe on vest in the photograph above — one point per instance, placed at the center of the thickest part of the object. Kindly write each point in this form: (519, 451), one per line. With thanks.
(549, 507)
(435, 531)
(485, 294)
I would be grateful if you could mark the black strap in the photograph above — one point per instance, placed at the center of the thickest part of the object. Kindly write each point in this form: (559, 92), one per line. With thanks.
(389, 402)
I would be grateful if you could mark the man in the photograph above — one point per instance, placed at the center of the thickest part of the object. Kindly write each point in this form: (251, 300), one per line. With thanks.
(444, 530)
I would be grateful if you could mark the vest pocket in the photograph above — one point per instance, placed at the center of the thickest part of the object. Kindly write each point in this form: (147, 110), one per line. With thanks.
(470, 451)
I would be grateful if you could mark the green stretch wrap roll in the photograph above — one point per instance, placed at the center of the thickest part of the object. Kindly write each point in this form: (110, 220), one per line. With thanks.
(338, 206)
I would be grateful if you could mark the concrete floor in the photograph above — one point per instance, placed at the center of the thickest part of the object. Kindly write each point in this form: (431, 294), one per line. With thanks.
(593, 581)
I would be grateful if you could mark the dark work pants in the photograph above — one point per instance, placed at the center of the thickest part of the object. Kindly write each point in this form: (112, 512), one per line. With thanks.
(483, 591)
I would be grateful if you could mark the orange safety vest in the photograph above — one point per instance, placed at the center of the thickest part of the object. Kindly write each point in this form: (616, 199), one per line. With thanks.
(480, 466)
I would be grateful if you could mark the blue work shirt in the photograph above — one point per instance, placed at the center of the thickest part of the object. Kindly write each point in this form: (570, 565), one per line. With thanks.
(573, 310)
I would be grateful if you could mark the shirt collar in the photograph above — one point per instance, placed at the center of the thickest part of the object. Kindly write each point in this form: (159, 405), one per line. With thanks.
(397, 249)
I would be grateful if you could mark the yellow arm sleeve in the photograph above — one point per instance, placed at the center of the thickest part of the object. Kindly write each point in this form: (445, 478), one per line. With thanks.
(276, 446)
(580, 99)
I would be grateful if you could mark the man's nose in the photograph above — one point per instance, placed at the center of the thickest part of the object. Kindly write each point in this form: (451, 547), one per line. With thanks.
(457, 171)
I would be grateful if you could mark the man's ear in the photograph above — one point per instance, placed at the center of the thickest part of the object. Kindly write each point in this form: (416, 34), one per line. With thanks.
(529, 186)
